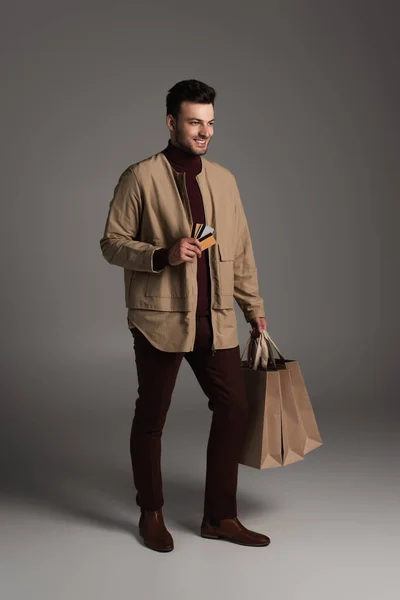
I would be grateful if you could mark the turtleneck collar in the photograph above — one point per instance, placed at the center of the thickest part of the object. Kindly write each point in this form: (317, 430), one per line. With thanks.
(182, 161)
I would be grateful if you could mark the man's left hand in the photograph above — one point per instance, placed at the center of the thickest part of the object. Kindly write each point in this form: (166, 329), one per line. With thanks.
(258, 325)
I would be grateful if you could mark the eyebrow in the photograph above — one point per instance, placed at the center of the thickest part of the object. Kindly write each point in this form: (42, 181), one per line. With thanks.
(201, 120)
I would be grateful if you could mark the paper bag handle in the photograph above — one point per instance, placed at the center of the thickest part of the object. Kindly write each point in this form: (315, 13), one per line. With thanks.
(263, 346)
(266, 334)
(266, 344)
(247, 350)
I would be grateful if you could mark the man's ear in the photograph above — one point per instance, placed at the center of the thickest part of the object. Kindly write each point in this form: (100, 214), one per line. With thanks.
(171, 124)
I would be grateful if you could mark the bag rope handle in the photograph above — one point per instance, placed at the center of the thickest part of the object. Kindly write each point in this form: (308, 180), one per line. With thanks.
(264, 342)
(264, 346)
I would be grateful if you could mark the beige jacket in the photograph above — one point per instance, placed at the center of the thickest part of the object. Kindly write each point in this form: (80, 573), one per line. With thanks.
(150, 209)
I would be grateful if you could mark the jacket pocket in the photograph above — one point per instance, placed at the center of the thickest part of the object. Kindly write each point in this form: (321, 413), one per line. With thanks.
(226, 274)
(169, 283)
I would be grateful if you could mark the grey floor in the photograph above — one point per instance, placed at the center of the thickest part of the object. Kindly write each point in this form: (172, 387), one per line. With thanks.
(69, 520)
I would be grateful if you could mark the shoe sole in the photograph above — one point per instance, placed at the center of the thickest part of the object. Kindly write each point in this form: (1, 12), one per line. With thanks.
(222, 537)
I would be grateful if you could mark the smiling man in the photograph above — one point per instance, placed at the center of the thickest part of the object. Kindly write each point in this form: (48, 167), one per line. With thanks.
(180, 300)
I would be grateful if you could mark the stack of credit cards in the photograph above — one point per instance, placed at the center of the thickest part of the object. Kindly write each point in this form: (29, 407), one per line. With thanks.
(204, 234)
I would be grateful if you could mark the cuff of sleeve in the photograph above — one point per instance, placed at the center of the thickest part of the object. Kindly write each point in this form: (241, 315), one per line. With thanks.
(159, 259)
(254, 314)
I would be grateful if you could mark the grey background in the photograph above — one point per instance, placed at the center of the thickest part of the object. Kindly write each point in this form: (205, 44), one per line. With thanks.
(307, 120)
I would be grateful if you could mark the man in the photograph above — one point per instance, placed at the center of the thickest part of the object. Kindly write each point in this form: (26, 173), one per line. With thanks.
(180, 305)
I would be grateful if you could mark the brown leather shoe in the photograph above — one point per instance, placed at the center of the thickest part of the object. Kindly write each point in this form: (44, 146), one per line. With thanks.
(234, 531)
(153, 531)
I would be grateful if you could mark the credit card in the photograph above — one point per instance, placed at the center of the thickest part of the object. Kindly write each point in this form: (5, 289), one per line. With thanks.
(200, 230)
(207, 241)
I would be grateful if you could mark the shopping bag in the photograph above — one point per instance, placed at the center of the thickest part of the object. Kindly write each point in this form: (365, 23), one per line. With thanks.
(262, 446)
(304, 407)
(262, 443)
(275, 433)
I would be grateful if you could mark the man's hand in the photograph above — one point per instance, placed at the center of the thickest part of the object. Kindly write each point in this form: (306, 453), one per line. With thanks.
(184, 250)
(258, 324)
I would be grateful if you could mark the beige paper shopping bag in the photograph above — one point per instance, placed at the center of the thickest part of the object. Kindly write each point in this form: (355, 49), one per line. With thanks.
(276, 432)
(293, 434)
(303, 403)
(262, 444)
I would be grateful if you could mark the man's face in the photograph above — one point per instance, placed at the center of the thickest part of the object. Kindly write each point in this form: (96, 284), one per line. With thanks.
(193, 128)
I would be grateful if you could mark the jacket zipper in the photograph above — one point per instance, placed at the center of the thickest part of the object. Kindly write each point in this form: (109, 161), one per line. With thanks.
(212, 328)
(211, 283)
(190, 219)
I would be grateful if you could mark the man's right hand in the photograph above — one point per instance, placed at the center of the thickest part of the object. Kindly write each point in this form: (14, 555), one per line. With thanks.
(184, 250)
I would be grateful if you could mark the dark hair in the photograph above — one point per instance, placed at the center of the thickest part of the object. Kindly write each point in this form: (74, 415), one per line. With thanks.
(189, 90)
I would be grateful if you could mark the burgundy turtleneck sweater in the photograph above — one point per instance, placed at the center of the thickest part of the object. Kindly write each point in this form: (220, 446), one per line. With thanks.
(190, 164)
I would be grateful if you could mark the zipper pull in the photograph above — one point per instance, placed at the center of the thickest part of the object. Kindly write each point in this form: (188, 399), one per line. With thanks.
(213, 349)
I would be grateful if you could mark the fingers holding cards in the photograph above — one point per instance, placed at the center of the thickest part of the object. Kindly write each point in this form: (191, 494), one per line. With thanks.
(184, 250)
(188, 249)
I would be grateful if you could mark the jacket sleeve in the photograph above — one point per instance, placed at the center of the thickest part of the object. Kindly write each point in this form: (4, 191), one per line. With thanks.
(118, 244)
(246, 291)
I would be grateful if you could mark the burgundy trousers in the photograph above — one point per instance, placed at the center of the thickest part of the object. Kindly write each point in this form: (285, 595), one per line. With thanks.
(221, 380)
